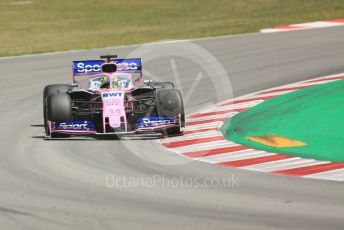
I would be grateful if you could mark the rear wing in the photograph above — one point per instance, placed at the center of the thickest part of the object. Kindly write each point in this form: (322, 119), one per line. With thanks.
(130, 65)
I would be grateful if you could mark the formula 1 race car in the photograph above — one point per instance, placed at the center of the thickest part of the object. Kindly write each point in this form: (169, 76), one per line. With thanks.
(110, 98)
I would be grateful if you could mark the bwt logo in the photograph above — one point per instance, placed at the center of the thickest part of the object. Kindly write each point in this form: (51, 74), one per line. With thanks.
(112, 94)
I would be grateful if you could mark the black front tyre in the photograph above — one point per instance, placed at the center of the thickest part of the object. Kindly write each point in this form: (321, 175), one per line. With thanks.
(58, 109)
(170, 104)
(55, 88)
(49, 90)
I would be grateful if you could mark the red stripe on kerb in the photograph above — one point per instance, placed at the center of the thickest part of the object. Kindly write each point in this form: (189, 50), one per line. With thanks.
(246, 100)
(176, 144)
(284, 89)
(204, 121)
(199, 131)
(307, 170)
(289, 27)
(335, 20)
(253, 161)
(326, 79)
(218, 112)
(211, 152)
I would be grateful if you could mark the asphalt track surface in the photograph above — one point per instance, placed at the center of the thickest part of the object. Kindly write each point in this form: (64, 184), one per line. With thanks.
(61, 184)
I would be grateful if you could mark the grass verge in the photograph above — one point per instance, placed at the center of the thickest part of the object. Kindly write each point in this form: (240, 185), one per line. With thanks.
(43, 26)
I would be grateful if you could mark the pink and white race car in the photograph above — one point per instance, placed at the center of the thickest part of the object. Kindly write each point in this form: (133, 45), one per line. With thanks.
(110, 98)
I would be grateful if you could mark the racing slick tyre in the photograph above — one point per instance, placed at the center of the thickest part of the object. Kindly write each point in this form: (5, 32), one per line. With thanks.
(164, 85)
(170, 104)
(56, 88)
(48, 90)
(58, 109)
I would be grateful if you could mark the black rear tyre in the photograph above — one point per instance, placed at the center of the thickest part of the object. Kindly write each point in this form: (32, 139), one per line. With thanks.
(164, 85)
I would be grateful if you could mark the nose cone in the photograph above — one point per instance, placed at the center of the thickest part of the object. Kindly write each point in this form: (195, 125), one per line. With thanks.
(113, 107)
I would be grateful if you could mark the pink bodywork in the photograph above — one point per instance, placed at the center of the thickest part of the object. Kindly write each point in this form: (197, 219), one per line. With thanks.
(113, 106)
(114, 109)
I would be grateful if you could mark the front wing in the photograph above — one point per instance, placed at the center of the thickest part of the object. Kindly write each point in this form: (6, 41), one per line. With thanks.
(148, 125)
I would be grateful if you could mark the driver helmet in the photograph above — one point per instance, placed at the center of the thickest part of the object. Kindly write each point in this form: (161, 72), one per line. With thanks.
(104, 82)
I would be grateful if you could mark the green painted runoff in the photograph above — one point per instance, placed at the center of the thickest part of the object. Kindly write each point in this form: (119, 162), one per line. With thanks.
(313, 115)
